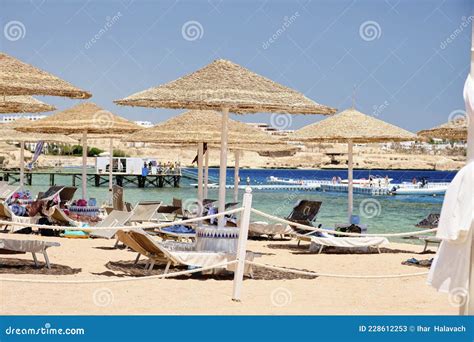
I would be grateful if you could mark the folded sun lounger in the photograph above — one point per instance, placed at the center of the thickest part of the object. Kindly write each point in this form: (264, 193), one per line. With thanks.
(9, 246)
(304, 212)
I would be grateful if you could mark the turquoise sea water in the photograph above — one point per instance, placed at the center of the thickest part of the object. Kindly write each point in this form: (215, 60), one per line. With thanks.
(382, 214)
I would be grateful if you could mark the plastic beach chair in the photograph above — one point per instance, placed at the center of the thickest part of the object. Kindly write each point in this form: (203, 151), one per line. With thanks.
(116, 218)
(9, 246)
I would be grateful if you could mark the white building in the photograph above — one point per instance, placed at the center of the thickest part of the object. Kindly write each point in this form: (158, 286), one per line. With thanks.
(11, 118)
(144, 124)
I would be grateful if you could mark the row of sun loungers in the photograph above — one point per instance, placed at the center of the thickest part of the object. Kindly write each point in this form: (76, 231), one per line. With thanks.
(305, 213)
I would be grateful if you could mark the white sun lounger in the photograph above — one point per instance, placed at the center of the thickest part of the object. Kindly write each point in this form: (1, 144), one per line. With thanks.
(10, 246)
(271, 229)
(156, 251)
(116, 218)
(7, 215)
(318, 243)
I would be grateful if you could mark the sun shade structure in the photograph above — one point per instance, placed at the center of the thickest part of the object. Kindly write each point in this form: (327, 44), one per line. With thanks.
(351, 126)
(23, 104)
(226, 87)
(9, 134)
(455, 130)
(203, 126)
(19, 78)
(197, 126)
(87, 118)
(224, 84)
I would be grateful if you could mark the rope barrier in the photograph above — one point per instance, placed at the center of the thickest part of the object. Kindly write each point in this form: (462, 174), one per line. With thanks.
(329, 275)
(96, 281)
(140, 226)
(314, 229)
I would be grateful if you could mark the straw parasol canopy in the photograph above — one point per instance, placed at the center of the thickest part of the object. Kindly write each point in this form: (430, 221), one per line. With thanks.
(455, 129)
(23, 104)
(11, 135)
(196, 126)
(351, 125)
(19, 78)
(87, 118)
(224, 84)
(84, 117)
(228, 87)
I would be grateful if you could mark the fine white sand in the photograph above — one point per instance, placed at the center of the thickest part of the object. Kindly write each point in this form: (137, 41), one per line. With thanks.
(320, 296)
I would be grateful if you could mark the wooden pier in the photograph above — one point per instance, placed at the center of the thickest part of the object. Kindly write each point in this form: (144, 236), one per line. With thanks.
(96, 179)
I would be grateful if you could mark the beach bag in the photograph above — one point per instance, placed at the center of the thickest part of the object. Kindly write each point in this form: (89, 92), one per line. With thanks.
(26, 230)
(46, 231)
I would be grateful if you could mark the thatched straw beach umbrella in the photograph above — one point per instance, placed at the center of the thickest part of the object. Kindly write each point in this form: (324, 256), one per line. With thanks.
(19, 78)
(203, 127)
(8, 133)
(351, 126)
(87, 118)
(455, 130)
(23, 104)
(226, 87)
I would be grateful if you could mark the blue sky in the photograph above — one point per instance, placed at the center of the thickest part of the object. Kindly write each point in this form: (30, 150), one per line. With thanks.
(396, 54)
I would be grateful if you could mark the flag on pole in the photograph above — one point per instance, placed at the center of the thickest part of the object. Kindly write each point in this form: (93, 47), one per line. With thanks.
(38, 150)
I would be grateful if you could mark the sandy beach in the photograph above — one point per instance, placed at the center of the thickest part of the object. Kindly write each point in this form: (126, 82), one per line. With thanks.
(97, 259)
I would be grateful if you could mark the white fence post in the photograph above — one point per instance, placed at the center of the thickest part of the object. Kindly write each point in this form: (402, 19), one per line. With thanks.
(242, 245)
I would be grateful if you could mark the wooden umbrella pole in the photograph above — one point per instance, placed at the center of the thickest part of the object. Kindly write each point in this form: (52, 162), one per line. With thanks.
(22, 164)
(236, 175)
(223, 165)
(84, 165)
(200, 176)
(111, 164)
(350, 190)
(206, 173)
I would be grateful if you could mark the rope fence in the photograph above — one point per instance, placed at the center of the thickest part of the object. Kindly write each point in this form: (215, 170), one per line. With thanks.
(246, 208)
(314, 229)
(138, 226)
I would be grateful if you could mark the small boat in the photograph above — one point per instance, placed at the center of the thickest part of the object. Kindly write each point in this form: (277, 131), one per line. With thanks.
(370, 181)
(430, 189)
(273, 179)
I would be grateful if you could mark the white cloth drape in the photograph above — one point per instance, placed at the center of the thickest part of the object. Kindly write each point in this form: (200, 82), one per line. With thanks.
(450, 269)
